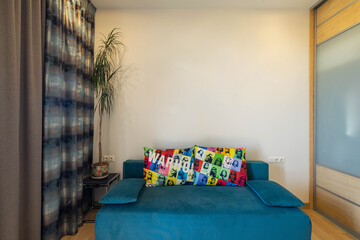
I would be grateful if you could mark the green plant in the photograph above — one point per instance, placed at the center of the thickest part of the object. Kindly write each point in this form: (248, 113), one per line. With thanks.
(103, 76)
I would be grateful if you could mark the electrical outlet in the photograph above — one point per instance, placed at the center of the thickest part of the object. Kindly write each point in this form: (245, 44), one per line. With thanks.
(111, 158)
(276, 159)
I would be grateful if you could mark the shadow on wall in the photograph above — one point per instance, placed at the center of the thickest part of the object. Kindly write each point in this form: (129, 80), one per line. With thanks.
(277, 173)
(121, 123)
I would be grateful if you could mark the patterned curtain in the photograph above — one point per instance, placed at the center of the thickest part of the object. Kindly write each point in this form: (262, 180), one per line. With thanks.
(68, 114)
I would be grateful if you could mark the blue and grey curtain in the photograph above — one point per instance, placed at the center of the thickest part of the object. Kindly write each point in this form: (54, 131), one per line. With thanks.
(68, 114)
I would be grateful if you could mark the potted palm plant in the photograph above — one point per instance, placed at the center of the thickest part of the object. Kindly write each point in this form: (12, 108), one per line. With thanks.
(103, 78)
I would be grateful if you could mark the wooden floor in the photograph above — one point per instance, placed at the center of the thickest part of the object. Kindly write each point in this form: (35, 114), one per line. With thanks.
(324, 229)
(321, 228)
(86, 231)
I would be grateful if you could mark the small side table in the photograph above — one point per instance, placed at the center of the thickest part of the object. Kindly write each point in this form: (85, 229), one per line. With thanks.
(98, 183)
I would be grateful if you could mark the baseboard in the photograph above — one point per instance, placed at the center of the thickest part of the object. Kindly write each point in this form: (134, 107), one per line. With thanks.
(307, 206)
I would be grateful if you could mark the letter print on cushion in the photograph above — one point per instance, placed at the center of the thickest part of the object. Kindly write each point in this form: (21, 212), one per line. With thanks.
(168, 167)
(220, 166)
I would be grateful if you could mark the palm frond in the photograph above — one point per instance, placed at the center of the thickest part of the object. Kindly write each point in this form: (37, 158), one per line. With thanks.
(105, 69)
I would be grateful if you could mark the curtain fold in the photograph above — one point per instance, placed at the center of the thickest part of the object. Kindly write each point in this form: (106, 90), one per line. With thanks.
(68, 114)
(20, 118)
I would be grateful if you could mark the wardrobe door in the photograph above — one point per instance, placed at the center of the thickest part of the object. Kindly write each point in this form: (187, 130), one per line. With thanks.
(337, 125)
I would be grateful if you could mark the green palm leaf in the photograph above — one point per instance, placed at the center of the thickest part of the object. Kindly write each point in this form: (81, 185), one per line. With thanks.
(103, 75)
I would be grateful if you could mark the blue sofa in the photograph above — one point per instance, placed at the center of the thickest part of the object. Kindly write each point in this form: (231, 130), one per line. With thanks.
(202, 212)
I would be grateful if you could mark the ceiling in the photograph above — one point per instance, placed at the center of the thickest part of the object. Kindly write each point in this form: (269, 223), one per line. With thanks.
(247, 4)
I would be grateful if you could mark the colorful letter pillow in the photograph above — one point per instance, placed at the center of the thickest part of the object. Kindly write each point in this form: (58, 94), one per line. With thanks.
(220, 166)
(168, 167)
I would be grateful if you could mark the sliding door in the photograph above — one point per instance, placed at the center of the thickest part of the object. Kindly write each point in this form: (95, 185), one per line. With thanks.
(337, 113)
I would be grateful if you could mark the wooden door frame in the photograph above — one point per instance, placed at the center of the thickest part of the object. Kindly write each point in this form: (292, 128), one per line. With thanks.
(311, 104)
(312, 56)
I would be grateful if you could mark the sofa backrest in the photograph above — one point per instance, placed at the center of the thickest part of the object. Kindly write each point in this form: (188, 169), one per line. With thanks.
(256, 170)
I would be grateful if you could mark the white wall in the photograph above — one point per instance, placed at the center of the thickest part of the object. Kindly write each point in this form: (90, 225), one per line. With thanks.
(216, 78)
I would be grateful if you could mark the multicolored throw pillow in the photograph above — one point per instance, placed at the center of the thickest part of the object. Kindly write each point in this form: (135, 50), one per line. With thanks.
(168, 167)
(220, 166)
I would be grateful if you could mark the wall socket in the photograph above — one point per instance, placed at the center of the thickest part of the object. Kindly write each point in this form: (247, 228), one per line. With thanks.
(109, 158)
(276, 159)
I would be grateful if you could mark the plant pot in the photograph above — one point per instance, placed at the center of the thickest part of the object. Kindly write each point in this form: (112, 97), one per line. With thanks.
(99, 170)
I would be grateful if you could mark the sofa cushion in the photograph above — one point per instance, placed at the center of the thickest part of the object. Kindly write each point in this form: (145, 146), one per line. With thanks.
(220, 166)
(125, 191)
(273, 194)
(200, 212)
(168, 167)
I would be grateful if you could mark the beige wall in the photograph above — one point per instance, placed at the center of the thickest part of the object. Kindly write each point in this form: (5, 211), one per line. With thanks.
(216, 78)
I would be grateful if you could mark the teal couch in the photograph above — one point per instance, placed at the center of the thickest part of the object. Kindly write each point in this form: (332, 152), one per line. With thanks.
(203, 212)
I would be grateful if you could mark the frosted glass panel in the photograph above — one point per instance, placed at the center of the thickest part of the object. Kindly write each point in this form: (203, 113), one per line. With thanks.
(337, 128)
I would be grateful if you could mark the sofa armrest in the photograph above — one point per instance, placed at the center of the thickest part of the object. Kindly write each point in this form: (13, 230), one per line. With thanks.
(257, 170)
(133, 169)
(273, 194)
(125, 191)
